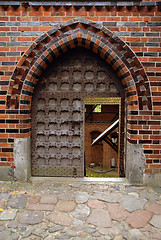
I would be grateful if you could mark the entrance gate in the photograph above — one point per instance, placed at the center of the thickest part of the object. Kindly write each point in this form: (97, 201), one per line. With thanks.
(58, 111)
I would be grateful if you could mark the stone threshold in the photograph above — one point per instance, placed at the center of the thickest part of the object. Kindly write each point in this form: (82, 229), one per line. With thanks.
(84, 179)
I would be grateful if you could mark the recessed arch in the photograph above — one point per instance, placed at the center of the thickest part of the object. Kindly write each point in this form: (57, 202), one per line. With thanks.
(79, 33)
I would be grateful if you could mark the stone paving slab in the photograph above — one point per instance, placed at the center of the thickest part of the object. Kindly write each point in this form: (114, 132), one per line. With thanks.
(66, 196)
(117, 212)
(154, 208)
(156, 221)
(131, 203)
(8, 214)
(81, 197)
(30, 217)
(17, 201)
(65, 206)
(96, 204)
(40, 207)
(79, 210)
(49, 199)
(100, 217)
(139, 218)
(60, 218)
(4, 196)
(34, 199)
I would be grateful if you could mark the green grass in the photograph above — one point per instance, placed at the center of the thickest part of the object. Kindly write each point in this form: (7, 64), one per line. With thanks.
(112, 174)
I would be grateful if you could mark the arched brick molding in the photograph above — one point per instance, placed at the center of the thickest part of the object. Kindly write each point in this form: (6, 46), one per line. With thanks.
(71, 34)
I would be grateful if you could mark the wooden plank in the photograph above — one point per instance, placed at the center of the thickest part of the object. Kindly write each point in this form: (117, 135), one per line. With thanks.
(106, 132)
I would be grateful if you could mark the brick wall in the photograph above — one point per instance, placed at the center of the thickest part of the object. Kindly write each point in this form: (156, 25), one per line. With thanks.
(138, 24)
(108, 152)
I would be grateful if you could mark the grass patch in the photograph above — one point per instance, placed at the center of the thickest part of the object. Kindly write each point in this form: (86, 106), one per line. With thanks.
(112, 174)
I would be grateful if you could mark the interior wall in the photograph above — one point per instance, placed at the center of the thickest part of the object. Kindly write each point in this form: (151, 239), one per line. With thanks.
(108, 152)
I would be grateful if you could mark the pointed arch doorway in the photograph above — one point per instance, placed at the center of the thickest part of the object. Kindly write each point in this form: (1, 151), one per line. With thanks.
(58, 111)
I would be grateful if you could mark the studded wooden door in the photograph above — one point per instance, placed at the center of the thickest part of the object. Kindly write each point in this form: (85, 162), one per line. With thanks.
(58, 111)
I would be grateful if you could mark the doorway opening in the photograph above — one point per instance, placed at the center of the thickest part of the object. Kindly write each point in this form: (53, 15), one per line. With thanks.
(103, 137)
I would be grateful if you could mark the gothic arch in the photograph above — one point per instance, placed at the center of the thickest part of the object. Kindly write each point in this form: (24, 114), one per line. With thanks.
(79, 33)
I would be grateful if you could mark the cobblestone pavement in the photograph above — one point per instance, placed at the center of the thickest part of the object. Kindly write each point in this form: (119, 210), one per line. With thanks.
(77, 209)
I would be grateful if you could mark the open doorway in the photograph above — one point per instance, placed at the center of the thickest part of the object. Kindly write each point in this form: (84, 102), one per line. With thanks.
(102, 137)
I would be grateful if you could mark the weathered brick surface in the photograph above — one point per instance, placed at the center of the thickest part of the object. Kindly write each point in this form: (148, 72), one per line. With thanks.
(138, 64)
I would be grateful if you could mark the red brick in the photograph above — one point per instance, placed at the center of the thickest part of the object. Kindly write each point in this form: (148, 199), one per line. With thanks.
(155, 166)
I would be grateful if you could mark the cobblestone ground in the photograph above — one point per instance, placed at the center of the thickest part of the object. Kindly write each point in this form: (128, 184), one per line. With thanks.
(74, 209)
